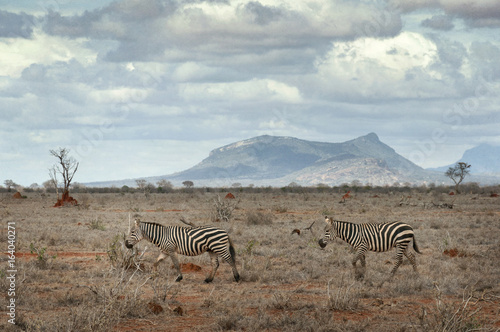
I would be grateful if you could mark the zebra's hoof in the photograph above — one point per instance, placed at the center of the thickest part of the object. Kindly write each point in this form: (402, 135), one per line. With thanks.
(208, 280)
(237, 278)
(179, 278)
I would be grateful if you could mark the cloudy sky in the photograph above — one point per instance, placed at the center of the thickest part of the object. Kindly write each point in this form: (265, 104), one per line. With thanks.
(139, 88)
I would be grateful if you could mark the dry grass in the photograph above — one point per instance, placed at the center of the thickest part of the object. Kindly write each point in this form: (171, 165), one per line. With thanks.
(81, 278)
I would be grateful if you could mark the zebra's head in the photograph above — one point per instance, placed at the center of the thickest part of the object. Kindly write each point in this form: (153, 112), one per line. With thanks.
(134, 236)
(328, 235)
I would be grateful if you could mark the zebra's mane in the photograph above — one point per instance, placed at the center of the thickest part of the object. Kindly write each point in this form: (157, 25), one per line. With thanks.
(364, 223)
(150, 223)
(160, 225)
(344, 222)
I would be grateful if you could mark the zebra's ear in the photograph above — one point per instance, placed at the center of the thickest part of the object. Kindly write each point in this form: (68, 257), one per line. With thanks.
(327, 220)
(137, 222)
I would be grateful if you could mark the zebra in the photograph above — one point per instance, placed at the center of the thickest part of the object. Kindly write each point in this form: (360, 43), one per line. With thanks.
(189, 241)
(373, 237)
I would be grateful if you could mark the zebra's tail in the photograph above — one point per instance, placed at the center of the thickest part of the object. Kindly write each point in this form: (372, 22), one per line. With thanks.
(415, 247)
(232, 251)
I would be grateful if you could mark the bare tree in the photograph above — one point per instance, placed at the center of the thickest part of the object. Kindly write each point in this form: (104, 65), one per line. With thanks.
(47, 184)
(141, 184)
(53, 180)
(10, 184)
(458, 173)
(164, 185)
(67, 167)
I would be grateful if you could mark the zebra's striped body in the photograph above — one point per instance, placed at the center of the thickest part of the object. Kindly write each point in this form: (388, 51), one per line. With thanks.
(373, 237)
(188, 241)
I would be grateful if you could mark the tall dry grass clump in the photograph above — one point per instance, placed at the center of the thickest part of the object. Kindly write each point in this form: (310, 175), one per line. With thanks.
(345, 297)
(450, 317)
(259, 218)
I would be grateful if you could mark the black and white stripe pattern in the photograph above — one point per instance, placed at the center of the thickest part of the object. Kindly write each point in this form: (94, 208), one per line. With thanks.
(189, 241)
(373, 237)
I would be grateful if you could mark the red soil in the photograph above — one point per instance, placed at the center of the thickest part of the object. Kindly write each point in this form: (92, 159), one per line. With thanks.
(66, 199)
(189, 267)
(454, 253)
(229, 196)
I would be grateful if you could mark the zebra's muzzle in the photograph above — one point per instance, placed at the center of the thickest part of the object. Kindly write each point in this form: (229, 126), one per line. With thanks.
(128, 245)
(322, 243)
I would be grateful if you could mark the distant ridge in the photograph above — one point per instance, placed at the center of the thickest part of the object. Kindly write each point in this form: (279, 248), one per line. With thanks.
(484, 159)
(278, 161)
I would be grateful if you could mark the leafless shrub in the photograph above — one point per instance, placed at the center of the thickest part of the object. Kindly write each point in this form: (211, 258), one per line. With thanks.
(161, 289)
(281, 300)
(223, 209)
(123, 258)
(345, 298)
(449, 317)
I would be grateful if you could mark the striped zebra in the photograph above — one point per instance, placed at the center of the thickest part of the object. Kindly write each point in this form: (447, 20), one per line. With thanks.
(373, 237)
(189, 241)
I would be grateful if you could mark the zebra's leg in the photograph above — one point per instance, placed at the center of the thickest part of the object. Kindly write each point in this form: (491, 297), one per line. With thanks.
(411, 258)
(158, 260)
(235, 271)
(173, 256)
(360, 255)
(363, 264)
(399, 259)
(363, 261)
(215, 265)
(231, 261)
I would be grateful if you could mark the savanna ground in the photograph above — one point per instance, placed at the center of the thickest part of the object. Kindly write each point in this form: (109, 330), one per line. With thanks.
(73, 276)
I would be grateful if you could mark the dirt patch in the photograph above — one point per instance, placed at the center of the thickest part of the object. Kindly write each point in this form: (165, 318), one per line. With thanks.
(229, 196)
(17, 195)
(454, 253)
(155, 308)
(189, 267)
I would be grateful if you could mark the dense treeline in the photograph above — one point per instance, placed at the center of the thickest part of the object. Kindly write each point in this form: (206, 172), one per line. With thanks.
(470, 188)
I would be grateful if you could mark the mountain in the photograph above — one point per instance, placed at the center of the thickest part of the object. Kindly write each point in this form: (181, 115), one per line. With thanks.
(279, 161)
(484, 160)
(276, 160)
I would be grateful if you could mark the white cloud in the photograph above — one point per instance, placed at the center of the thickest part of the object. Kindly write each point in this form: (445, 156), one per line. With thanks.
(191, 71)
(119, 95)
(18, 54)
(152, 30)
(254, 90)
(399, 67)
